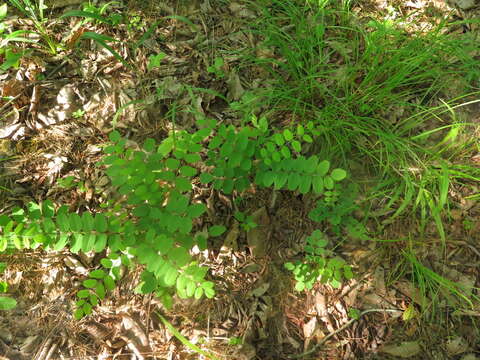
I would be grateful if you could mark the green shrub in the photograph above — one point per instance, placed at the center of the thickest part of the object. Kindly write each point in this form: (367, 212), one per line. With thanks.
(151, 221)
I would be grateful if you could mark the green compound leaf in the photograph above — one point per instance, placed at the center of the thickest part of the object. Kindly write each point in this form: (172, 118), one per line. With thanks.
(328, 182)
(78, 314)
(179, 255)
(208, 289)
(63, 222)
(89, 283)
(347, 273)
(97, 274)
(293, 181)
(149, 145)
(172, 163)
(287, 134)
(216, 230)
(268, 178)
(100, 223)
(75, 222)
(205, 178)
(7, 303)
(109, 283)
(191, 287)
(62, 242)
(48, 209)
(338, 174)
(82, 294)
(114, 136)
(198, 293)
(196, 210)
(300, 130)
(305, 184)
(317, 184)
(183, 184)
(87, 309)
(188, 171)
(296, 146)
(170, 276)
(323, 167)
(280, 180)
(285, 152)
(100, 243)
(87, 221)
(300, 286)
(100, 290)
(106, 263)
(93, 300)
(192, 158)
(307, 138)
(279, 140)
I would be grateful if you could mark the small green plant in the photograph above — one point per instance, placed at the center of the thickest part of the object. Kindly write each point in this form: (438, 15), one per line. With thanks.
(217, 68)
(354, 313)
(337, 210)
(70, 182)
(35, 12)
(10, 54)
(246, 221)
(78, 114)
(154, 61)
(151, 220)
(468, 224)
(319, 265)
(234, 340)
(6, 303)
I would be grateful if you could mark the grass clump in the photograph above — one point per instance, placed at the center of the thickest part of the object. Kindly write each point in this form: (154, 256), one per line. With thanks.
(372, 90)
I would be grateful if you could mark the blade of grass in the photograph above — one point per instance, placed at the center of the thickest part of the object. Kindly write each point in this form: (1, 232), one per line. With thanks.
(184, 340)
(101, 40)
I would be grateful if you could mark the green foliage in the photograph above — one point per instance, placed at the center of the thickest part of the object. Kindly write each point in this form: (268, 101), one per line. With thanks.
(155, 61)
(151, 221)
(328, 65)
(35, 12)
(318, 265)
(11, 54)
(337, 208)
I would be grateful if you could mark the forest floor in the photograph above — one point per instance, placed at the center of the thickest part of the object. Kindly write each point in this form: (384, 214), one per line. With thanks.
(413, 295)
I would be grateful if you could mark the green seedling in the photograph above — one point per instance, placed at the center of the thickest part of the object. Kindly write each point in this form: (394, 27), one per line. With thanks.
(217, 68)
(246, 221)
(6, 303)
(318, 265)
(35, 12)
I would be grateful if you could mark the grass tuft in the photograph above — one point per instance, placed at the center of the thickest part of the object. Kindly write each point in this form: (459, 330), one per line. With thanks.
(378, 95)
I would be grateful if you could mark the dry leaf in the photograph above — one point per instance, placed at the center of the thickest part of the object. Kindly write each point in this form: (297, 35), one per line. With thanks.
(456, 346)
(469, 357)
(231, 238)
(259, 290)
(235, 88)
(257, 238)
(309, 327)
(404, 350)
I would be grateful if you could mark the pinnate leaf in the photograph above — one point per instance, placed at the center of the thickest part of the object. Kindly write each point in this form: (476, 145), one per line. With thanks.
(338, 174)
(216, 230)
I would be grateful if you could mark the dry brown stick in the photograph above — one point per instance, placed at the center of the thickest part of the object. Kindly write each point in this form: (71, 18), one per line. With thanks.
(340, 329)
